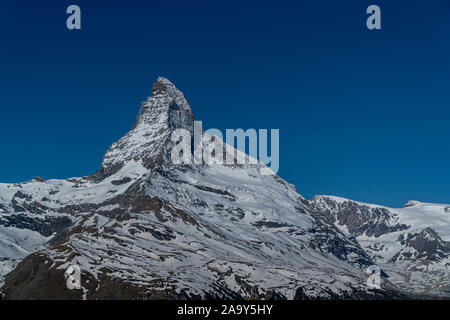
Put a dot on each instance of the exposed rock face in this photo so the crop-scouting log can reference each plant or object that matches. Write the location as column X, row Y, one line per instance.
column 426, row 246
column 143, row 228
column 148, row 141
column 45, row 225
column 359, row 219
column 410, row 244
column 32, row 279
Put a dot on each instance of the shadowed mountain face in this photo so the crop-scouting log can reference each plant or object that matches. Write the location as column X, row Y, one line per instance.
column 411, row 244
column 144, row 228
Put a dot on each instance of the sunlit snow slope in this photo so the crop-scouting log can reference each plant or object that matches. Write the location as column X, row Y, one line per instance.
column 411, row 244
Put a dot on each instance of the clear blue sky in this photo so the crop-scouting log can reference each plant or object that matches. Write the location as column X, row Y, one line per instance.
column 362, row 114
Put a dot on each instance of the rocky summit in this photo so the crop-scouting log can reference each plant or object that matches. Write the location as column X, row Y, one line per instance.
column 144, row 228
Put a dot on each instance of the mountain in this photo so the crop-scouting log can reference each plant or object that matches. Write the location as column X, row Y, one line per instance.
column 411, row 244
column 142, row 227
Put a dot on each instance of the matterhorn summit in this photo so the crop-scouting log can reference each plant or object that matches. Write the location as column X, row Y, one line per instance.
column 164, row 111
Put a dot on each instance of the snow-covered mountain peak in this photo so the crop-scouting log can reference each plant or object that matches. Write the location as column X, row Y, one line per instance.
column 165, row 98
column 411, row 244
column 163, row 86
column 333, row 200
column 149, row 139
column 411, row 203
column 142, row 228
column 174, row 231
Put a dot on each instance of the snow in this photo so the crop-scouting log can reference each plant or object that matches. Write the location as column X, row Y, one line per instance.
column 215, row 224
column 413, row 274
column 16, row 244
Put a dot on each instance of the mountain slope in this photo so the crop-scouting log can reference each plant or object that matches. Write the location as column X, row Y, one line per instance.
column 142, row 227
column 411, row 244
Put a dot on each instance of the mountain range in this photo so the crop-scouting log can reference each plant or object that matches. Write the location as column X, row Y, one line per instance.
column 142, row 227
